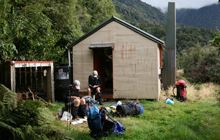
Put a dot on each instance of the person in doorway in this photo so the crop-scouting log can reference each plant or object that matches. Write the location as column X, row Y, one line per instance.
column 73, row 103
column 94, row 89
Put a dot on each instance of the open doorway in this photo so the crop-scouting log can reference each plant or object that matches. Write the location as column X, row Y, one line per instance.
column 103, row 64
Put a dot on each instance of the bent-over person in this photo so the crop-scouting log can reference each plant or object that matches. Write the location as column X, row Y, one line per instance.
column 73, row 103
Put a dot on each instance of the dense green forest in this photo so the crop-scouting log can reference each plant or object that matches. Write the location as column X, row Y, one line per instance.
column 43, row 29
column 202, row 63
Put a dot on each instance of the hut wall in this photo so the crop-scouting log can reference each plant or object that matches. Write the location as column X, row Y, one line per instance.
column 82, row 64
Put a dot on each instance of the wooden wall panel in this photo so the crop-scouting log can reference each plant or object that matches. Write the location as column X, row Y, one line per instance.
column 82, row 64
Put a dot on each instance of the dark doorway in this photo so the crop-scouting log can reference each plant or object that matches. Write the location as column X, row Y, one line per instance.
column 103, row 64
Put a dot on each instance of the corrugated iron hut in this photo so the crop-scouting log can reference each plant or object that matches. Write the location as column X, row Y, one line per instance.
column 127, row 58
column 22, row 76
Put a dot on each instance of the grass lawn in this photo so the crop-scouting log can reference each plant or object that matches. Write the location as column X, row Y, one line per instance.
column 193, row 120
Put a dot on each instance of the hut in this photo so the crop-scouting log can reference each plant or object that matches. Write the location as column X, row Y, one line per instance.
column 128, row 59
column 26, row 76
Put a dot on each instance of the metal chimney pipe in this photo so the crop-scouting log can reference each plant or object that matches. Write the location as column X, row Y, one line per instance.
column 169, row 72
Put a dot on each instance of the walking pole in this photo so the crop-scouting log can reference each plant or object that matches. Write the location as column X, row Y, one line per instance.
column 69, row 107
column 70, row 86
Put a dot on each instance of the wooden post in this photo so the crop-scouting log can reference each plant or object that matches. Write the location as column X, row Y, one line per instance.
column 50, row 83
column 19, row 69
column 31, row 77
column 35, row 73
column 41, row 78
column 12, row 76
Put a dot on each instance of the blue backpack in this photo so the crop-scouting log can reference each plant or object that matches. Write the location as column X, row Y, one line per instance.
column 94, row 120
column 99, row 125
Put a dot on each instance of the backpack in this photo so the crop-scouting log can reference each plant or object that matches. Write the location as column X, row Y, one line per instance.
column 82, row 112
column 101, row 125
column 110, row 125
column 129, row 108
column 94, row 120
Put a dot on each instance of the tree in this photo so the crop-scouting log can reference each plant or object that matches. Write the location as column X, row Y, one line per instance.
column 216, row 41
column 7, row 48
column 97, row 12
column 44, row 29
column 189, row 37
column 201, row 64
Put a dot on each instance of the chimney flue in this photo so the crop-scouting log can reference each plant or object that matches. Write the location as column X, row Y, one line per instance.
column 169, row 72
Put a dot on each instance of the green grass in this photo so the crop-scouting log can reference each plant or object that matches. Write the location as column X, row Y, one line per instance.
column 199, row 120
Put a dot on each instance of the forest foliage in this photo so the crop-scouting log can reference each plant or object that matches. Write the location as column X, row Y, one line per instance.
column 26, row 120
column 43, row 29
column 202, row 64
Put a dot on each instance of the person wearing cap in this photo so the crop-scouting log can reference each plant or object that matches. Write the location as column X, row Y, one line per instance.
column 94, row 83
column 73, row 102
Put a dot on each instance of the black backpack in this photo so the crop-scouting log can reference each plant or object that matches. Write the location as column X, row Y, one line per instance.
column 129, row 108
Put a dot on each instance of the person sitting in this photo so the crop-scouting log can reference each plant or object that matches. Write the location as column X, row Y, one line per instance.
column 94, row 89
column 73, row 103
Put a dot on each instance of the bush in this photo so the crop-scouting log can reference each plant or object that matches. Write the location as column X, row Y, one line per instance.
column 7, row 99
column 201, row 64
column 27, row 113
column 30, row 120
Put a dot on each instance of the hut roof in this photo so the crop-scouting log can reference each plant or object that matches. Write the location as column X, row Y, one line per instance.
column 124, row 23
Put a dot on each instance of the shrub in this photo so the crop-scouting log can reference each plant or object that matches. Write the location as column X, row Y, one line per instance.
column 201, row 64
column 7, row 99
column 27, row 113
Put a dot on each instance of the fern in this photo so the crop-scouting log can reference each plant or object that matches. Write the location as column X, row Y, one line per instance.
column 27, row 120
column 27, row 113
column 31, row 134
column 7, row 99
column 9, row 132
